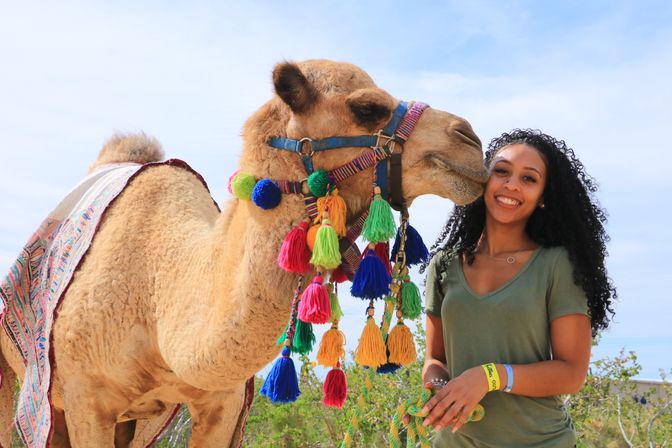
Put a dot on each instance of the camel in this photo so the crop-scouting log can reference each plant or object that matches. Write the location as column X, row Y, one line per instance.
column 177, row 302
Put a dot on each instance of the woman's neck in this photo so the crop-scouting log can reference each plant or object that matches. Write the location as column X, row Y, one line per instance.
column 501, row 238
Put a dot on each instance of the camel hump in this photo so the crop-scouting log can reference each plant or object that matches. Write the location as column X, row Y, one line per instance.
column 120, row 148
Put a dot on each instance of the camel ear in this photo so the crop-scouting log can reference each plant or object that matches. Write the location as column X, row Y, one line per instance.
column 370, row 107
column 293, row 87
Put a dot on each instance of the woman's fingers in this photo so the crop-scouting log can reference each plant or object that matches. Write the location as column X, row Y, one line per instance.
column 463, row 417
column 439, row 408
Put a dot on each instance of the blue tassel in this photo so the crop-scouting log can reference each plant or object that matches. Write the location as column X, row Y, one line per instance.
column 282, row 384
column 266, row 194
column 371, row 279
column 388, row 368
column 416, row 251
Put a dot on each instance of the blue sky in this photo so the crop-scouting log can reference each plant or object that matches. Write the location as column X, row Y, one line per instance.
column 595, row 74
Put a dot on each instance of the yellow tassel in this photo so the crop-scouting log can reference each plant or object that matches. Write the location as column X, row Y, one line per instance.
column 311, row 236
column 338, row 211
column 371, row 349
column 331, row 347
column 401, row 346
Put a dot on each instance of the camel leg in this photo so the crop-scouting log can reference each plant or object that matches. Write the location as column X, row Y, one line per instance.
column 214, row 418
column 90, row 423
column 7, row 388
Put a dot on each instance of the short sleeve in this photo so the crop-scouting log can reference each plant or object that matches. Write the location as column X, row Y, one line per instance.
column 565, row 296
column 433, row 292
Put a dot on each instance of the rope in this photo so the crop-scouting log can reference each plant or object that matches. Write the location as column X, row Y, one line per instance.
column 359, row 411
column 414, row 429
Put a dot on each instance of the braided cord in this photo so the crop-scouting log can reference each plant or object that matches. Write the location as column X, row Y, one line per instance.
column 359, row 410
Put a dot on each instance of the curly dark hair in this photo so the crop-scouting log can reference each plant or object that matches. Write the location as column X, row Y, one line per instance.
column 571, row 218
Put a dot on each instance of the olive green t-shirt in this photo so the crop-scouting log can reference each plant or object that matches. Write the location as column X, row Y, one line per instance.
column 509, row 325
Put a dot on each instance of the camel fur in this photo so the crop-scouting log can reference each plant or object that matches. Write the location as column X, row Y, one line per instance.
column 177, row 302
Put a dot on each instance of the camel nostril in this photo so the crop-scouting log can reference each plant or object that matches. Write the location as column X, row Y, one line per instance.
column 467, row 135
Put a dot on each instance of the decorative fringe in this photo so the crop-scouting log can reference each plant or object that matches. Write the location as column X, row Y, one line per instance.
column 415, row 248
column 335, row 388
column 411, row 306
column 242, row 185
column 331, row 347
column 318, row 183
column 314, row 306
column 371, row 279
column 335, row 205
column 282, row 384
column 336, row 311
column 401, row 346
column 294, row 254
column 383, row 252
column 304, row 338
column 326, row 252
column 338, row 276
column 371, row 349
column 379, row 225
column 311, row 236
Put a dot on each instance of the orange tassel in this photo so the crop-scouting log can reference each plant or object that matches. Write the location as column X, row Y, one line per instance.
column 401, row 346
column 311, row 236
column 371, row 350
column 331, row 347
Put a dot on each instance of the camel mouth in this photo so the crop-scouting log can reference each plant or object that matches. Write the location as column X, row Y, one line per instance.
column 478, row 176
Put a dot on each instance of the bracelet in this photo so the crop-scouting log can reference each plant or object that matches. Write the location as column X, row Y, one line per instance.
column 492, row 376
column 437, row 383
column 509, row 377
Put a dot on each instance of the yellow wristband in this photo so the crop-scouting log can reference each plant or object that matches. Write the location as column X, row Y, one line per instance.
column 492, row 376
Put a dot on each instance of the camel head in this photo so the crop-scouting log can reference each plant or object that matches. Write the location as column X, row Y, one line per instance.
column 318, row 99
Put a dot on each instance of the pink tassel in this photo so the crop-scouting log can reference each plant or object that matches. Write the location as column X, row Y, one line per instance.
column 383, row 252
column 315, row 306
column 335, row 388
column 294, row 254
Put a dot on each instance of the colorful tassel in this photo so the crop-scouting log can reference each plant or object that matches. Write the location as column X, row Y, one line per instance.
column 311, row 236
column 336, row 311
column 282, row 384
column 338, row 276
column 371, row 279
column 315, row 306
column 379, row 225
column 242, row 185
column 332, row 347
column 304, row 338
column 335, row 388
column 371, row 349
column 335, row 205
column 388, row 368
column 228, row 186
column 294, row 254
column 401, row 346
column 383, row 252
column 411, row 305
column 318, row 183
column 266, row 194
column 415, row 248
column 326, row 252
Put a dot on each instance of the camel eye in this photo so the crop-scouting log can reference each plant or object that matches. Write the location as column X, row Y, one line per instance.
column 369, row 114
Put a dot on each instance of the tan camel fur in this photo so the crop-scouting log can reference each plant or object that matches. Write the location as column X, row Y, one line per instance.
column 176, row 302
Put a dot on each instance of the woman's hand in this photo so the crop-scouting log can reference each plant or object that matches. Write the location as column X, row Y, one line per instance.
column 453, row 404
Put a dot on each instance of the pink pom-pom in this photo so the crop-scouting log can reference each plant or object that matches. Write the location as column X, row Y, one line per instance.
column 315, row 306
column 294, row 254
column 335, row 388
column 228, row 187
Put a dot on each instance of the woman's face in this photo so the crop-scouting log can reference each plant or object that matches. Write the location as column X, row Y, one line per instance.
column 516, row 184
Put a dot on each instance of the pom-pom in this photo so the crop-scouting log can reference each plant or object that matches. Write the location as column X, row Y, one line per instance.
column 242, row 185
column 336, row 311
column 312, row 235
column 371, row 349
column 401, row 346
column 282, row 384
column 335, row 388
column 338, row 276
column 331, row 347
column 318, row 183
column 371, row 279
column 266, row 194
column 326, row 252
column 315, row 306
column 383, row 252
column 388, row 368
column 304, row 338
column 411, row 306
column 228, row 186
column 379, row 225
column 294, row 254
column 415, row 248
column 335, row 205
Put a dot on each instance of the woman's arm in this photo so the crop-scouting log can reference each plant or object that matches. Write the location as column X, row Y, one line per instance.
column 435, row 358
column 565, row 373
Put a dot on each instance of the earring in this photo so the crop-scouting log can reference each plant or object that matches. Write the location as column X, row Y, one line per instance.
column 542, row 205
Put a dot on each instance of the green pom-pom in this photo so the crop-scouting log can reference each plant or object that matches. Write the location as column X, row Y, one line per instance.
column 411, row 306
column 379, row 225
column 318, row 182
column 326, row 252
column 336, row 311
column 242, row 185
column 304, row 338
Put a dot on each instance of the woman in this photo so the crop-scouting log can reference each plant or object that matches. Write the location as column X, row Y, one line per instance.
column 512, row 295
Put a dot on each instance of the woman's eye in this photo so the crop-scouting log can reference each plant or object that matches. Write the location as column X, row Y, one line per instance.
column 499, row 171
column 529, row 179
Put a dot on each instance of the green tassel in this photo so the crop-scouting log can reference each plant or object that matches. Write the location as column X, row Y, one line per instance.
column 304, row 338
column 411, row 306
column 282, row 337
column 379, row 225
column 336, row 311
column 326, row 252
